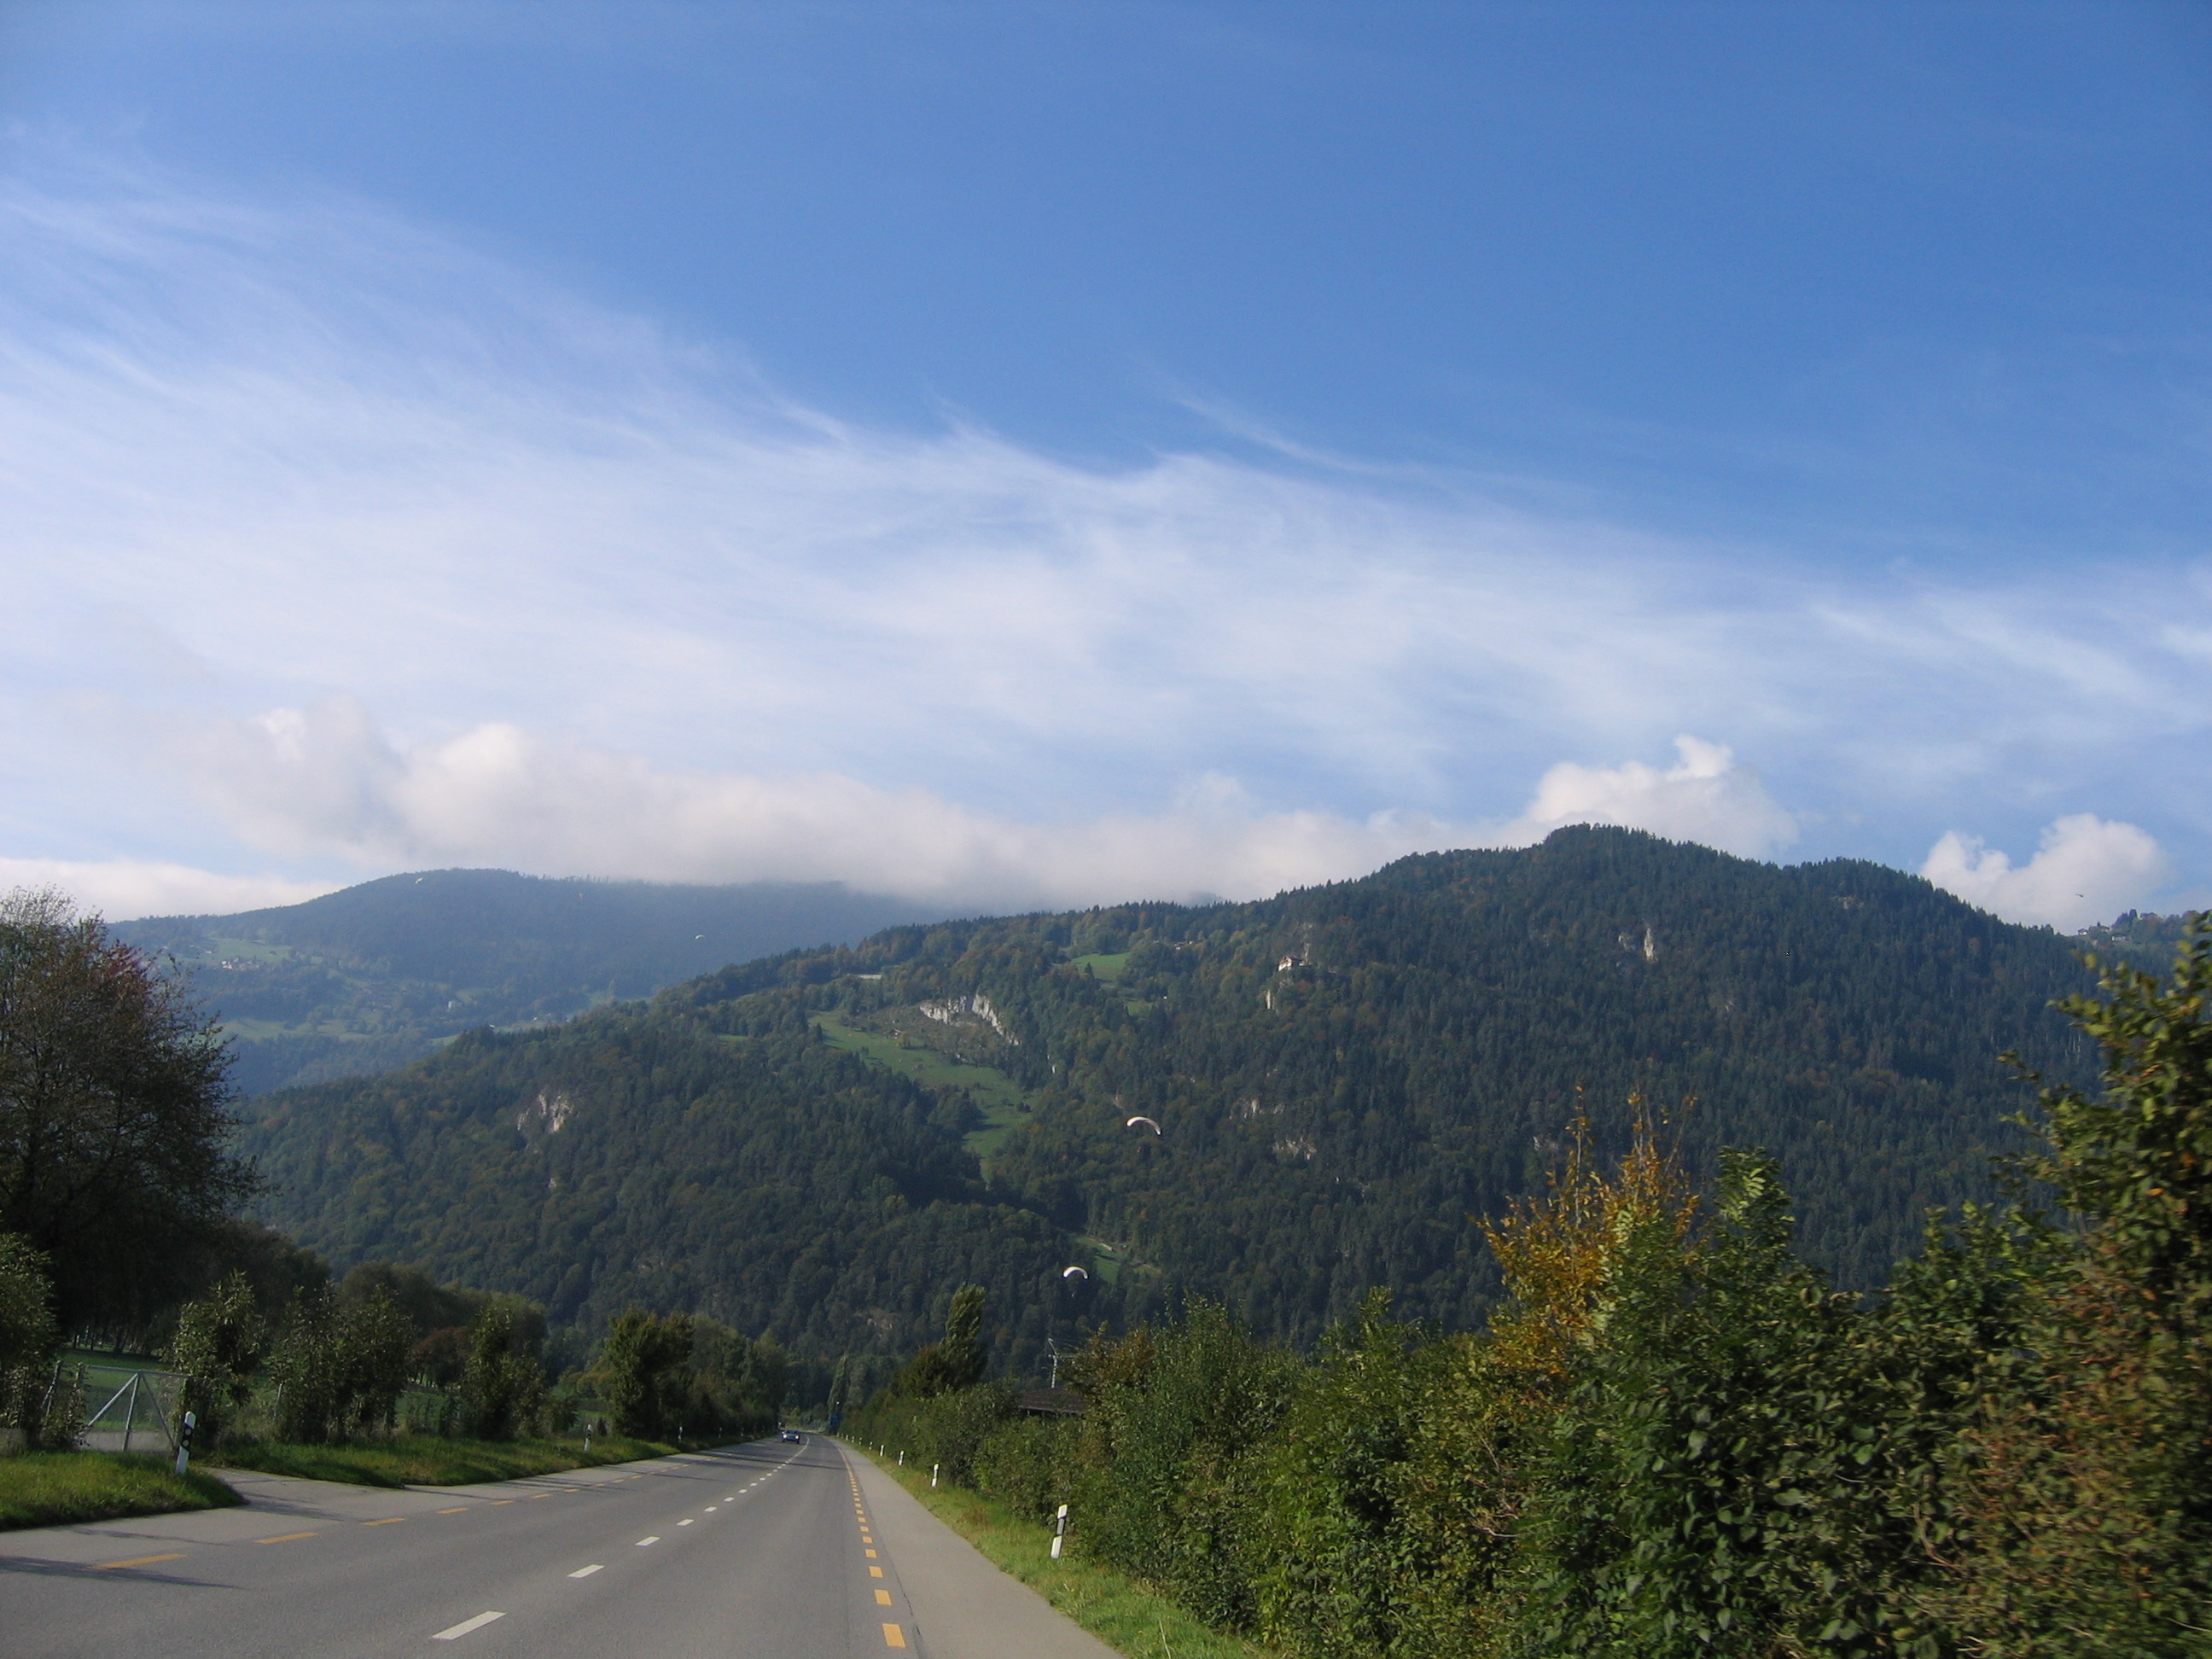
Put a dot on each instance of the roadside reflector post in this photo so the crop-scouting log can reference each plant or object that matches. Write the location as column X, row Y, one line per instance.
column 185, row 1440
column 933, row 1477
column 901, row 1459
column 1058, row 1531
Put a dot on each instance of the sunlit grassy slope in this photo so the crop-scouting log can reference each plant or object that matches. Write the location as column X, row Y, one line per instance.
column 996, row 1095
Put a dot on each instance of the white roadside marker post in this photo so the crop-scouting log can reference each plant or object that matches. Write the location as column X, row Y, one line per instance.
column 1058, row 1531
column 185, row 1440
column 933, row 1477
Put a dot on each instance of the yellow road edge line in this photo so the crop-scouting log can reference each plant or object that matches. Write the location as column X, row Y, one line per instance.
column 388, row 1520
column 496, row 1502
column 883, row 1598
column 894, row 1637
column 461, row 1509
column 142, row 1560
column 875, row 1572
column 284, row 1537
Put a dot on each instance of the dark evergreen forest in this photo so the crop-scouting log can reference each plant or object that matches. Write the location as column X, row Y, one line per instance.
column 1344, row 1081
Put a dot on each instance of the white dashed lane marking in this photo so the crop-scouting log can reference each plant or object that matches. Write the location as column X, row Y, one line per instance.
column 642, row 1542
column 586, row 1572
column 454, row 1632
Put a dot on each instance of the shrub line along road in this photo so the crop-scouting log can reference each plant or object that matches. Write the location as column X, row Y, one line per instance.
column 764, row 1551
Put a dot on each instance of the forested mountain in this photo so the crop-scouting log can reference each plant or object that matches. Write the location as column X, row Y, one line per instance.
column 754, row 1174
column 365, row 980
column 1344, row 1080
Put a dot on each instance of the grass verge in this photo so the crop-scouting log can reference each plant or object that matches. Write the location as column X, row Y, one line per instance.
column 1117, row 1609
column 55, row 1489
column 429, row 1460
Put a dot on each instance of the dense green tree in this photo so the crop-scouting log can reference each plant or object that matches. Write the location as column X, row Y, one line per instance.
column 274, row 1266
column 425, row 1304
column 737, row 1383
column 114, row 1115
column 955, row 1361
column 641, row 1368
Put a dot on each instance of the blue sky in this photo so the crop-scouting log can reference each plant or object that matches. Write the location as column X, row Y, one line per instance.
column 1049, row 454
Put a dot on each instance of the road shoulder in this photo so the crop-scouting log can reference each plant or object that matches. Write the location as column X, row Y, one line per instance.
column 963, row 1606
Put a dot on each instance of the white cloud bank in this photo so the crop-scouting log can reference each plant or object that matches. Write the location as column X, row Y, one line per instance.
column 119, row 889
column 325, row 780
column 2086, row 871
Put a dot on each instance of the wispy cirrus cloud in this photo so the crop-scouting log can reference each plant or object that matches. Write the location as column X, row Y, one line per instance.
column 413, row 555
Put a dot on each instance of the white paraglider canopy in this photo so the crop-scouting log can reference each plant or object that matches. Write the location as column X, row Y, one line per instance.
column 1073, row 1272
column 1146, row 1122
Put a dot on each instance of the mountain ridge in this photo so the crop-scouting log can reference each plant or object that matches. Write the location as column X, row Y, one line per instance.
column 378, row 974
column 1344, row 1077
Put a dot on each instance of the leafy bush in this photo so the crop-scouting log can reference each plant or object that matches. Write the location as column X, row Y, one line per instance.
column 1028, row 1463
column 338, row 1368
column 504, row 1386
column 27, row 1336
column 218, row 1347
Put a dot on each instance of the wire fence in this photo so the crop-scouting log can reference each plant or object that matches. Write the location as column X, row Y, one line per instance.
column 112, row 1405
column 125, row 1408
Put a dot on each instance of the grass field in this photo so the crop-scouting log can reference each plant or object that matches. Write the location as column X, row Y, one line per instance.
column 53, row 1489
column 1114, row 1607
column 1106, row 1261
column 1107, row 968
column 429, row 1460
column 995, row 1094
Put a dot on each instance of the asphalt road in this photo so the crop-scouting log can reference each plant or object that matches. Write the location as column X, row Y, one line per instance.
column 769, row 1549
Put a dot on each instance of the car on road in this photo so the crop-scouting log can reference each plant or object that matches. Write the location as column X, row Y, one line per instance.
column 794, row 1437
